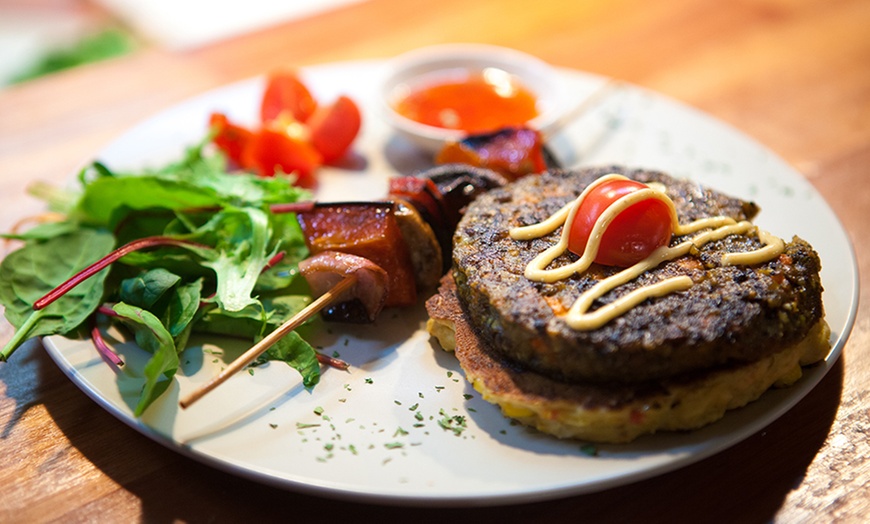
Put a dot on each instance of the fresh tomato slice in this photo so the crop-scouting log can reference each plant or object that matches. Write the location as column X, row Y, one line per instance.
column 285, row 94
column 270, row 149
column 334, row 128
column 230, row 138
column 632, row 236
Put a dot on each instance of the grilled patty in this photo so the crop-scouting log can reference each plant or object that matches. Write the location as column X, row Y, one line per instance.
column 731, row 315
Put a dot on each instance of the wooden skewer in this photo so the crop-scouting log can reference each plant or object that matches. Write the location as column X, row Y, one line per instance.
column 260, row 347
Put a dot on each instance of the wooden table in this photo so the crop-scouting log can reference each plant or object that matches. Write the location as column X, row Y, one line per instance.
column 795, row 75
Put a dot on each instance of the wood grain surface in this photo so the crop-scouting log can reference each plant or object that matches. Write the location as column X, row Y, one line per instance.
column 794, row 75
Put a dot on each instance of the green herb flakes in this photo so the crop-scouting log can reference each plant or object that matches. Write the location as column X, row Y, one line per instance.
column 455, row 423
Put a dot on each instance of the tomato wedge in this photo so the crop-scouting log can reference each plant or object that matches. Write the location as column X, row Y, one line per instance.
column 334, row 128
column 632, row 236
column 271, row 149
column 230, row 138
column 285, row 94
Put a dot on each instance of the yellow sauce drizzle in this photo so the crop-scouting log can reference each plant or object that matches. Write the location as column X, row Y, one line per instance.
column 578, row 316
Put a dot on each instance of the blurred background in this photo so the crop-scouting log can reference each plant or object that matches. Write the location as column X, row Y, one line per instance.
column 38, row 37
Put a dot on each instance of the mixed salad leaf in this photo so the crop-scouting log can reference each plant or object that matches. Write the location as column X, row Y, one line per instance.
column 168, row 252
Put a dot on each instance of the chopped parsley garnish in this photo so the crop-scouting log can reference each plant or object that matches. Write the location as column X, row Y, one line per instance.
column 455, row 423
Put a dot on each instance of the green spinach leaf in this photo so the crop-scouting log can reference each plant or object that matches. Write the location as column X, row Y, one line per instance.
column 297, row 353
column 153, row 337
column 27, row 274
column 147, row 288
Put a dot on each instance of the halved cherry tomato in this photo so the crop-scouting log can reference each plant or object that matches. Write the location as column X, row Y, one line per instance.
column 230, row 138
column 632, row 236
column 333, row 128
column 286, row 94
column 270, row 149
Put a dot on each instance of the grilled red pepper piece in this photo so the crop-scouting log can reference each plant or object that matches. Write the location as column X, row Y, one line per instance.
column 513, row 152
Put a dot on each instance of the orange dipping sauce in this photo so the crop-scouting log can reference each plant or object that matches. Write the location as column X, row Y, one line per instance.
column 476, row 104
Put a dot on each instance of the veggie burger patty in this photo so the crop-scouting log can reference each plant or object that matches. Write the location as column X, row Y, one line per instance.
column 677, row 361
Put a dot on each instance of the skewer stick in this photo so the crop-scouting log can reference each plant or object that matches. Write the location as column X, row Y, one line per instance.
column 260, row 347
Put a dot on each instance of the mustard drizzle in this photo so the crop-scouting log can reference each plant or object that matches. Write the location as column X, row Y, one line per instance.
column 578, row 316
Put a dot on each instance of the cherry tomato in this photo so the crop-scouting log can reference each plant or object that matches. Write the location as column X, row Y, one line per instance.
column 286, row 94
column 635, row 233
column 229, row 138
column 271, row 149
column 333, row 128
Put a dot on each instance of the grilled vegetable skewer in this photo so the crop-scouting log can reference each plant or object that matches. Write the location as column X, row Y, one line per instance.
column 368, row 255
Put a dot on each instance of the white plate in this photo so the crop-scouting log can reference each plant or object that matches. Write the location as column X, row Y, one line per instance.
column 367, row 445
